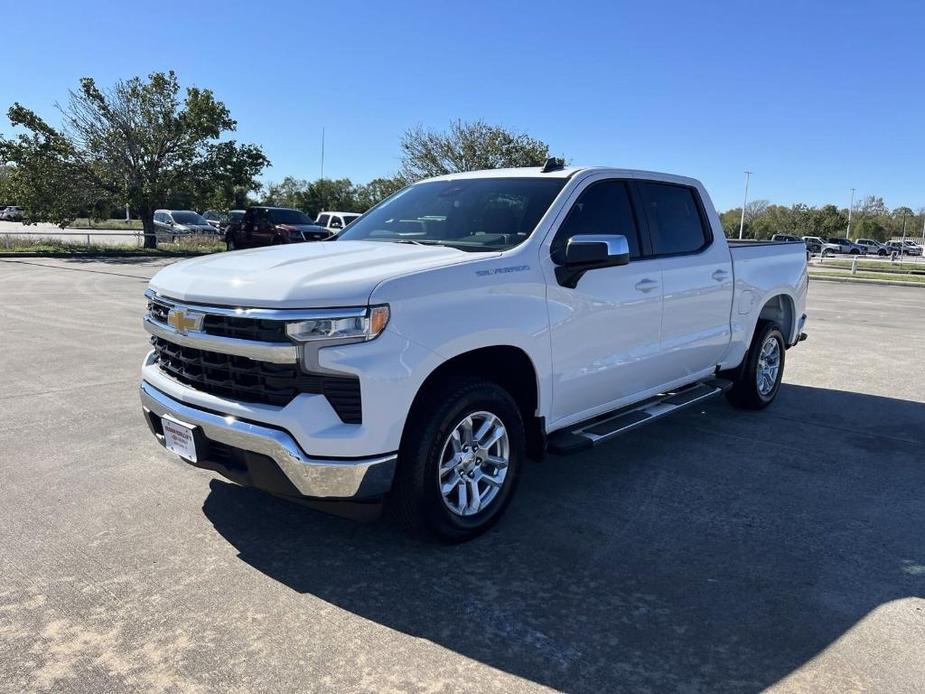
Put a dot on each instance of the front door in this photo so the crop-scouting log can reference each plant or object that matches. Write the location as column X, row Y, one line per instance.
column 605, row 331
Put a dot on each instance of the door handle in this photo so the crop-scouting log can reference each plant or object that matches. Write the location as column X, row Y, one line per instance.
column 720, row 275
column 646, row 285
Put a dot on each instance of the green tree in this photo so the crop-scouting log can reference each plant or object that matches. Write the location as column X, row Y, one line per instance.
column 7, row 196
column 137, row 142
column 376, row 191
column 467, row 147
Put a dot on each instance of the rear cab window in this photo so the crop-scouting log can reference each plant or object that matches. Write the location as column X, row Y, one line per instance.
column 677, row 224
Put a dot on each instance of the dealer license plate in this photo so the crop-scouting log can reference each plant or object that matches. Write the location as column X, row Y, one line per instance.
column 178, row 437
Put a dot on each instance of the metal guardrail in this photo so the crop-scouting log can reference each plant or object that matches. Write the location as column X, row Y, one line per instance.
column 44, row 234
column 87, row 234
column 857, row 261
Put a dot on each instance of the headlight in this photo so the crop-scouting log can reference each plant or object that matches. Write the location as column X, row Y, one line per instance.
column 351, row 326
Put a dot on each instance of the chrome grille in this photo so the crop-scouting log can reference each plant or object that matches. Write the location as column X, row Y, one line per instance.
column 240, row 328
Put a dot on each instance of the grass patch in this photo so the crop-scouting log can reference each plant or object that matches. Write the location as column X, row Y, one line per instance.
column 114, row 224
column 195, row 245
column 885, row 276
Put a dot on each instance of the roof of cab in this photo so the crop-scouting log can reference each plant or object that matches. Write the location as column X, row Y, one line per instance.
column 565, row 172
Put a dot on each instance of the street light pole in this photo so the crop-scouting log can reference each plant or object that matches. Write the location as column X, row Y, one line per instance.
column 850, row 207
column 744, row 201
column 923, row 230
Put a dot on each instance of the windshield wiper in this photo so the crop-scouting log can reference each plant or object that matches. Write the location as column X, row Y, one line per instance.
column 418, row 242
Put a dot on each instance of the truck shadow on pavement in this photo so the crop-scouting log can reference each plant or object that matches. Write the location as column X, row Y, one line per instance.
column 716, row 551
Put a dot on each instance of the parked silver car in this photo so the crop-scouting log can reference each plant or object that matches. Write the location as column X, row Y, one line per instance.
column 873, row 247
column 819, row 246
column 173, row 224
column 12, row 213
column 846, row 246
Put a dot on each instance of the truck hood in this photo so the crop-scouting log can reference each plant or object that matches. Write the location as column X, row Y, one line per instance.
column 304, row 275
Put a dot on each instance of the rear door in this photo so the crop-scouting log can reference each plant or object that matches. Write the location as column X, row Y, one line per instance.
column 696, row 276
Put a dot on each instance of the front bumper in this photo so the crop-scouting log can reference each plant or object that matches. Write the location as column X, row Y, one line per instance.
column 269, row 458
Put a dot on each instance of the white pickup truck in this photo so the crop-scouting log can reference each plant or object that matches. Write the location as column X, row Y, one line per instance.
column 463, row 325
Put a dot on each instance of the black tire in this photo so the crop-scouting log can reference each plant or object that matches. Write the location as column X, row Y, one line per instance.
column 745, row 393
column 417, row 499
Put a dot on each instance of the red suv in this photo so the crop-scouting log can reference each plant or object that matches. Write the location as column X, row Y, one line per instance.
column 271, row 226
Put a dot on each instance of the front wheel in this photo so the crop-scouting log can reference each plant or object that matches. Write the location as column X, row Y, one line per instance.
column 459, row 460
column 757, row 382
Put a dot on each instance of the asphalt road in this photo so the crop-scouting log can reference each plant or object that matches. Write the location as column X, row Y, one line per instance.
column 714, row 551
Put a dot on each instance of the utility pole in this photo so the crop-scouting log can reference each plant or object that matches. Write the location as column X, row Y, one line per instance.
column 850, row 207
column 322, row 170
column 923, row 229
column 744, row 201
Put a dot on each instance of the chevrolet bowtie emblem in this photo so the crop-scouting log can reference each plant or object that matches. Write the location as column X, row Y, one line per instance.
column 183, row 322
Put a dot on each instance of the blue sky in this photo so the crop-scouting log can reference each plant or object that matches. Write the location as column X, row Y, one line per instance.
column 814, row 97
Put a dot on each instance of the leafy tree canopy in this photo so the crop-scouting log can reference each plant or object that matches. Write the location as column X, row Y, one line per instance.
column 137, row 142
column 467, row 147
column 329, row 194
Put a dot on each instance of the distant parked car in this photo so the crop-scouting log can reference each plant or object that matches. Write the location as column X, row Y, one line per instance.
column 173, row 224
column 11, row 213
column 819, row 246
column 214, row 218
column 335, row 221
column 270, row 226
column 234, row 217
column 906, row 247
column 873, row 247
column 847, row 246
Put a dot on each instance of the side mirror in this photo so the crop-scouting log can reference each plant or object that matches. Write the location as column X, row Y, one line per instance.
column 589, row 252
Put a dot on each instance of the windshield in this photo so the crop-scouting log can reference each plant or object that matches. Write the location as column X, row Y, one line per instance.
column 188, row 218
column 288, row 217
column 479, row 214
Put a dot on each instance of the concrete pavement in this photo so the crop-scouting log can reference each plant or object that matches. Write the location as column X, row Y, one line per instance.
column 715, row 551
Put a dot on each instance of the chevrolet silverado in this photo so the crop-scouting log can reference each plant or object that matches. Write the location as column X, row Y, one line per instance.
column 462, row 326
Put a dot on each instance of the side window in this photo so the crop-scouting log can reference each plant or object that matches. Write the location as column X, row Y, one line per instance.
column 324, row 220
column 602, row 208
column 675, row 222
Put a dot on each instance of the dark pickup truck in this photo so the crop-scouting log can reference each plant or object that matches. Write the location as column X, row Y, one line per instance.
column 271, row 226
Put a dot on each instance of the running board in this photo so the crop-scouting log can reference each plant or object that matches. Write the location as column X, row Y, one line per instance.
column 607, row 426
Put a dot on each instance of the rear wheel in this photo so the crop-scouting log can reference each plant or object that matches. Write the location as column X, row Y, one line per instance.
column 459, row 460
column 757, row 382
